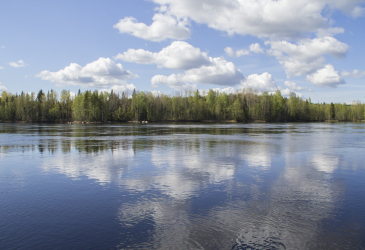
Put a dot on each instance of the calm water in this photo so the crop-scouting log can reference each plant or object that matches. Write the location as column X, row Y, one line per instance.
column 182, row 186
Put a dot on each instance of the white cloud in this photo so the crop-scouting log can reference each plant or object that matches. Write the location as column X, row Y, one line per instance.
column 285, row 92
column 238, row 53
column 271, row 18
column 261, row 18
column 18, row 64
column 255, row 48
column 126, row 88
column 284, row 19
column 1, row 67
column 326, row 77
column 294, row 86
column 329, row 32
column 173, row 81
column 103, row 72
column 198, row 66
column 163, row 27
column 2, row 88
column 306, row 56
column 349, row 7
column 355, row 73
column 263, row 82
column 156, row 93
column 228, row 90
column 138, row 56
column 357, row 12
column 179, row 55
column 2, row 46
column 220, row 72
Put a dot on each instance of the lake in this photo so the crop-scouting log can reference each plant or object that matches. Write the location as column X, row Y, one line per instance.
column 182, row 186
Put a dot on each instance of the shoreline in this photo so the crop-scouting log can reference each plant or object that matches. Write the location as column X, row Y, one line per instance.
column 176, row 121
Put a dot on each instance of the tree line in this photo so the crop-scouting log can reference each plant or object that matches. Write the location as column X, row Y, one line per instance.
column 246, row 105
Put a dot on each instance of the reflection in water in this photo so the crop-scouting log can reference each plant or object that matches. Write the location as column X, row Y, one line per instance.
column 209, row 186
column 104, row 166
column 325, row 163
column 286, row 217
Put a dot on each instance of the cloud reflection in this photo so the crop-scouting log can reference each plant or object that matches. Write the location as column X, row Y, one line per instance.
column 325, row 163
column 285, row 215
column 103, row 166
column 209, row 191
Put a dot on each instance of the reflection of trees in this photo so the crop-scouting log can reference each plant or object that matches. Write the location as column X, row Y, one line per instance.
column 95, row 146
column 66, row 146
column 90, row 138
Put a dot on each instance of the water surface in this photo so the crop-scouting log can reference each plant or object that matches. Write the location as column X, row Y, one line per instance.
column 182, row 186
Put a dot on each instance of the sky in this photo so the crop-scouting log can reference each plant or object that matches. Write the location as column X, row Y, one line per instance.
column 314, row 48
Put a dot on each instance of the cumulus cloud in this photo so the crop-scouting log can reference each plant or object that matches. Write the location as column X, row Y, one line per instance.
column 351, row 8
column 326, row 77
column 2, row 88
column 274, row 19
column 285, row 92
column 156, row 93
column 307, row 56
column 255, row 48
column 294, row 86
column 329, row 32
column 103, row 72
column 174, row 81
column 18, row 64
column 238, row 53
column 355, row 73
column 263, row 82
column 228, row 90
column 179, row 55
column 163, row 27
column 219, row 72
column 1, row 67
column 126, row 88
column 284, row 19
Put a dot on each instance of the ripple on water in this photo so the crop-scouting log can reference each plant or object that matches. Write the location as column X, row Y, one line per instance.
column 257, row 240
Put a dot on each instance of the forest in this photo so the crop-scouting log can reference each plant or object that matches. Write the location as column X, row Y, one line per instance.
column 245, row 105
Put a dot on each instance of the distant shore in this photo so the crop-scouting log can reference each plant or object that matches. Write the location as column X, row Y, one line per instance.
column 173, row 121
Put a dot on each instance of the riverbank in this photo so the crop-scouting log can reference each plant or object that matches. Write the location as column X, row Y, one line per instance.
column 175, row 121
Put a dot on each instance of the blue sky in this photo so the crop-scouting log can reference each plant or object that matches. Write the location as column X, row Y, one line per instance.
column 313, row 48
